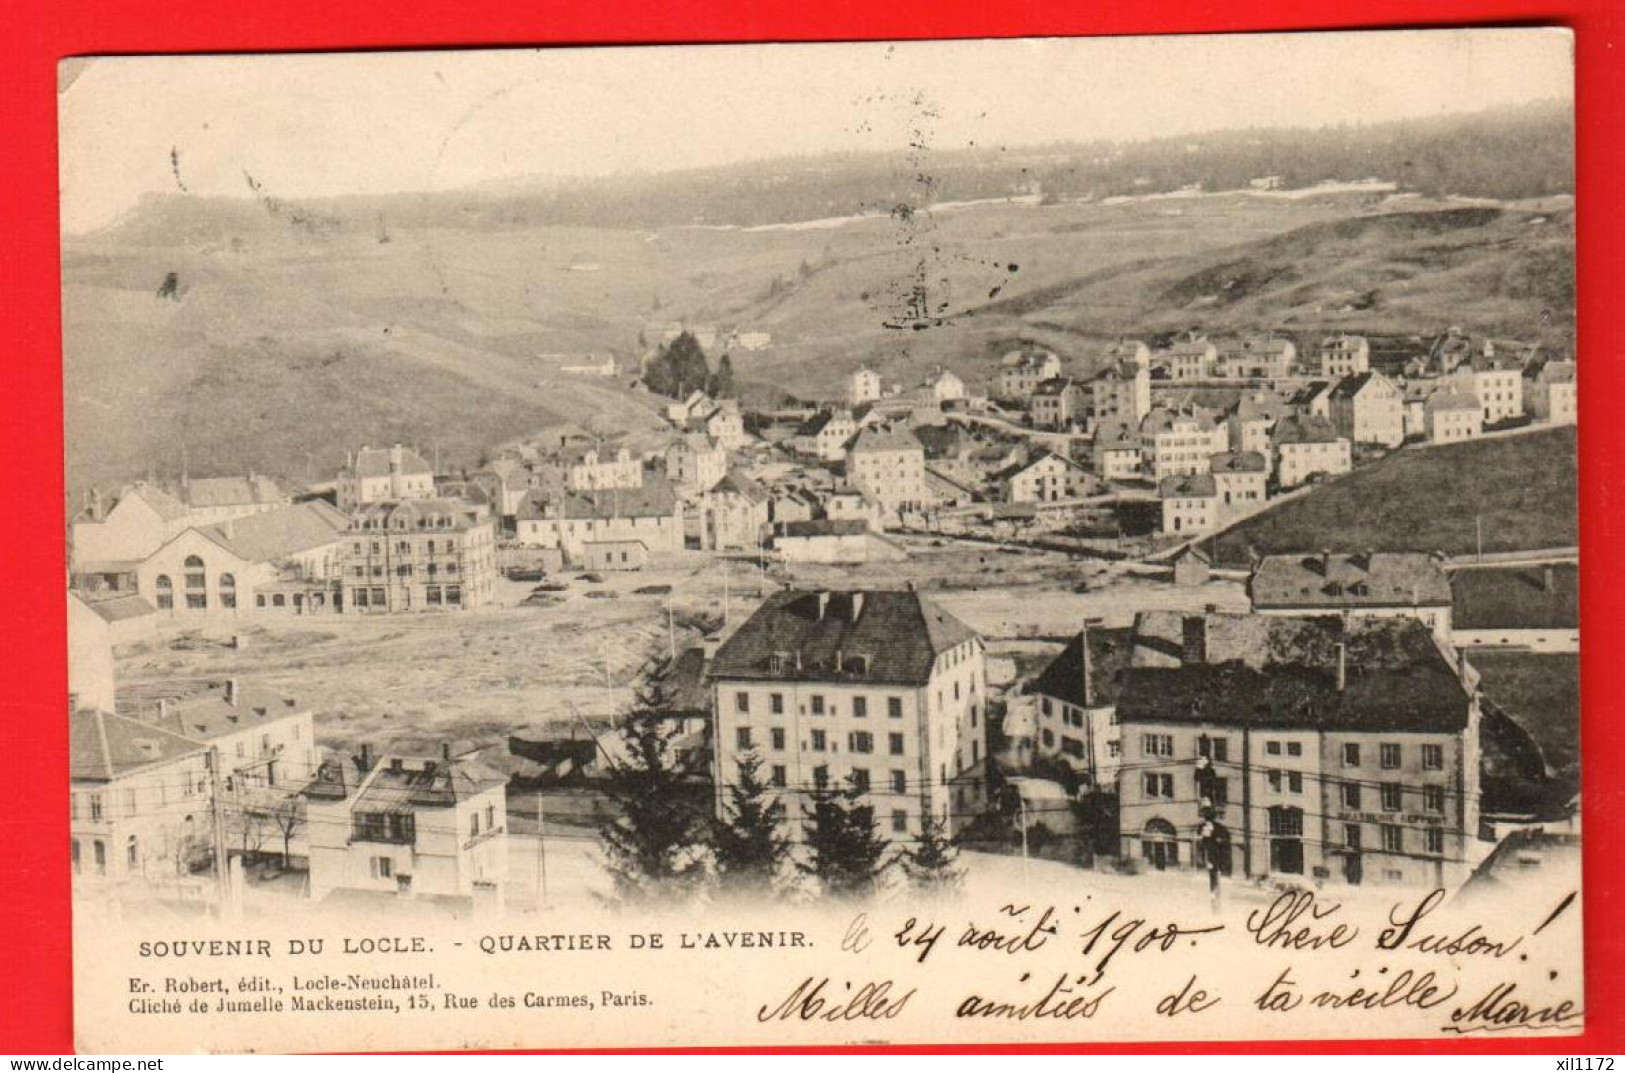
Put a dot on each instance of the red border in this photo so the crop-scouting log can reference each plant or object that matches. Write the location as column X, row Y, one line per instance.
column 35, row 943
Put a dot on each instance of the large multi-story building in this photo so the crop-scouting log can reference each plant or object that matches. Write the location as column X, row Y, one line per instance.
column 1306, row 447
column 1181, row 441
column 1240, row 480
column 1251, row 420
column 409, row 826
column 378, row 474
column 419, row 555
column 1187, row 359
column 266, row 740
column 1122, row 393
column 1260, row 357
column 1496, row 380
column 881, row 689
column 695, row 463
column 591, row 470
column 219, row 499
column 1367, row 584
column 1328, row 750
column 734, row 515
column 888, row 466
column 1190, row 504
column 824, row 436
column 1369, row 408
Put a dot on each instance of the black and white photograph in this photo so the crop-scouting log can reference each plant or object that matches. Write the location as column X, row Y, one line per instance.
column 962, row 541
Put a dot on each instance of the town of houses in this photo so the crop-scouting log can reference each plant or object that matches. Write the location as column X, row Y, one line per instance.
column 1327, row 732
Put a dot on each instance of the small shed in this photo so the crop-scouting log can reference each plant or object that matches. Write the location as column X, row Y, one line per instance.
column 1191, row 566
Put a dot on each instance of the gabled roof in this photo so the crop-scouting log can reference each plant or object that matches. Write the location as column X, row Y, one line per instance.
column 412, row 514
column 1055, row 385
column 879, row 635
column 821, row 420
column 1345, row 341
column 1022, row 467
column 374, row 462
column 880, row 440
column 162, row 503
column 276, row 534
column 740, row 485
column 399, row 784
column 1281, row 671
column 1453, row 400
column 1188, row 486
column 120, row 608
column 1260, row 407
column 103, row 746
column 202, row 492
column 1350, row 386
column 1120, row 371
column 1163, row 418
column 1117, row 436
column 1063, row 677
column 1365, row 579
column 1238, row 462
column 202, row 713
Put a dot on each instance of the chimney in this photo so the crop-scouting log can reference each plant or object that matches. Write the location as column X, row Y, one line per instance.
column 232, row 693
column 364, row 759
column 96, row 504
column 1547, row 579
column 857, row 597
column 1342, row 666
column 1194, row 649
column 397, row 458
column 1326, row 563
column 823, row 605
column 445, row 751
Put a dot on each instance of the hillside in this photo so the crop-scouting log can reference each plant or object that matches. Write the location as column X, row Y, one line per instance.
column 1523, row 488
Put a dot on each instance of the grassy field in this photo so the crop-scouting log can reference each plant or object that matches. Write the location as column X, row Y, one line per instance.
column 1523, row 487
column 285, row 348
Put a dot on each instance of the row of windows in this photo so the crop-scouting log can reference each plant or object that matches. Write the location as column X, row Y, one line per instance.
column 402, row 570
column 1392, row 838
column 1391, row 795
column 858, row 741
column 1390, row 754
column 404, row 547
column 95, row 807
column 818, row 705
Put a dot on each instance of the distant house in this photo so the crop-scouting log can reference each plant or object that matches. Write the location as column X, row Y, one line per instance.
column 1187, row 359
column 695, row 463
column 615, row 555
column 1190, row 504
column 265, row 739
column 376, row 474
column 1368, row 408
column 1117, row 452
column 1453, row 417
column 1122, row 392
column 1496, row 380
column 1549, row 392
column 1022, row 370
column 592, row 469
column 418, row 555
column 1306, row 447
column 734, row 514
column 1192, row 567
column 1359, row 585
column 111, row 539
column 1046, row 479
column 824, row 436
column 1058, row 403
column 888, row 466
column 1344, row 355
column 1531, row 607
column 723, row 422
column 1262, row 357
column 1239, row 479
column 945, row 385
column 1251, row 420
column 409, row 826
column 863, row 386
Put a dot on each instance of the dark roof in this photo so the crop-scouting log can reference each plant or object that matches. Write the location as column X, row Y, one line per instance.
column 1516, row 597
column 1303, row 428
column 1350, row 386
column 684, row 682
column 877, row 440
column 401, row 784
column 1055, row 385
column 1188, row 486
column 1238, row 462
column 120, row 608
column 815, row 424
column 103, row 746
column 653, row 499
column 200, row 711
column 1367, row 579
column 1109, row 652
column 1281, row 671
column 741, row 485
column 939, row 441
column 814, row 527
column 900, row 634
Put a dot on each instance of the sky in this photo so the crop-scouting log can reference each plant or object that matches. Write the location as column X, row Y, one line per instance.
column 329, row 124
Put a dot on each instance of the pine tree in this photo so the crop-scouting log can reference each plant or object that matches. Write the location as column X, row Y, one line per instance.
column 748, row 843
column 848, row 856
column 932, row 865
column 653, row 845
column 688, row 366
column 722, row 381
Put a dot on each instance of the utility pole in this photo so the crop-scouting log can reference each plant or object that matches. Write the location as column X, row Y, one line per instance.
column 541, row 850
column 1246, row 798
column 1208, row 829
column 1026, row 871
column 671, row 628
column 1478, row 524
column 217, row 818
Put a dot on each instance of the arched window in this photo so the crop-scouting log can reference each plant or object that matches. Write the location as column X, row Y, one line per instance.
column 228, row 591
column 195, row 578
column 1159, row 844
column 166, row 593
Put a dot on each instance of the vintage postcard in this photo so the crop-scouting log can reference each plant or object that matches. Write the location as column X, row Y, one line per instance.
column 960, row 542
